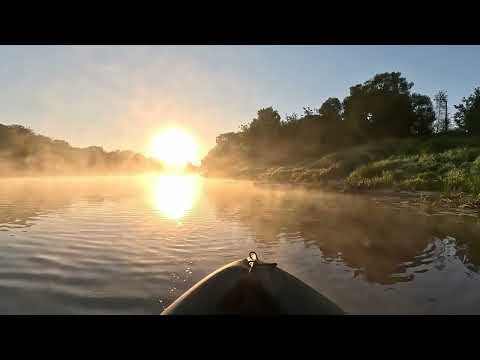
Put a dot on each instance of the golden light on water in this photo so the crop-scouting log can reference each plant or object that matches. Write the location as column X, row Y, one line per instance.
column 174, row 147
column 174, row 195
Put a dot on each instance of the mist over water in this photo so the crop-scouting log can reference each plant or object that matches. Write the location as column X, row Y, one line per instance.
column 133, row 244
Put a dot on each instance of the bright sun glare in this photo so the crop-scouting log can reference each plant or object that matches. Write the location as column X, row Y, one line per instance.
column 174, row 195
column 174, row 147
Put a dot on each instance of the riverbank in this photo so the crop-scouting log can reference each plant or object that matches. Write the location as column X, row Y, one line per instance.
column 442, row 171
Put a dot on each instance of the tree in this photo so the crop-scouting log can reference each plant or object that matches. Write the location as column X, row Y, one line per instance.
column 380, row 107
column 467, row 116
column 28, row 151
column 331, row 109
column 424, row 115
column 225, row 138
column 308, row 111
column 291, row 118
column 262, row 131
column 441, row 105
column 266, row 123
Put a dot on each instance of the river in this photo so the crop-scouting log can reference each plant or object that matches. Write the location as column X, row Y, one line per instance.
column 133, row 244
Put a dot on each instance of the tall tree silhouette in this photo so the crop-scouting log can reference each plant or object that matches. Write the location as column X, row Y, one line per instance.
column 442, row 124
column 467, row 116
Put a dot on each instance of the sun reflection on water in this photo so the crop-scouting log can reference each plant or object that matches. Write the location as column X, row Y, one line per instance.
column 174, row 195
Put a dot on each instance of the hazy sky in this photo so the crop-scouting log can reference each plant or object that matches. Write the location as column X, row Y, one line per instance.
column 119, row 96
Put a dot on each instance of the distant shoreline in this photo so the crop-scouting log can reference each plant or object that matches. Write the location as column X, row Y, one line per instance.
column 460, row 203
column 86, row 175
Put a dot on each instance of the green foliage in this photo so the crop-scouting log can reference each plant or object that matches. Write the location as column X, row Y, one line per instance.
column 331, row 110
column 357, row 181
column 265, row 125
column 475, row 167
column 298, row 175
column 464, row 179
column 453, row 170
column 467, row 116
column 455, row 180
column 441, row 142
column 424, row 115
column 426, row 181
column 380, row 107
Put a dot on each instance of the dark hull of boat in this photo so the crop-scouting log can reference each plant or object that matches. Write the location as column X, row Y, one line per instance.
column 268, row 290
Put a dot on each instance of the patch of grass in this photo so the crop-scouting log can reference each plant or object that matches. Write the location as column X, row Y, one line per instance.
column 456, row 180
column 449, row 163
column 460, row 180
column 299, row 175
column 475, row 167
column 454, row 170
column 442, row 142
column 357, row 182
column 427, row 181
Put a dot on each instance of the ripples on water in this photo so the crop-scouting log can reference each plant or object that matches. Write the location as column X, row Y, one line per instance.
column 132, row 245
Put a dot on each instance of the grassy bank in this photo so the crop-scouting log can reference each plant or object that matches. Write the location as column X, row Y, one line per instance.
column 448, row 164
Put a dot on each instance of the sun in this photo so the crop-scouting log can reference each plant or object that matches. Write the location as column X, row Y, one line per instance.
column 174, row 147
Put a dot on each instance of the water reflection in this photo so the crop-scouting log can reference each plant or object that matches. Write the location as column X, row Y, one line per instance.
column 174, row 195
column 377, row 242
column 24, row 200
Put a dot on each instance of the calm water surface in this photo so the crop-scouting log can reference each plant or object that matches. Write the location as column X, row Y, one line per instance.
column 132, row 245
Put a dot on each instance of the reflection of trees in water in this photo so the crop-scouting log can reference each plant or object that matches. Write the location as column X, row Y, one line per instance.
column 381, row 243
column 22, row 201
column 467, row 244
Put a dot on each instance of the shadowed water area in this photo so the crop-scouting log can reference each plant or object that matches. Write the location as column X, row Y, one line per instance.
column 132, row 245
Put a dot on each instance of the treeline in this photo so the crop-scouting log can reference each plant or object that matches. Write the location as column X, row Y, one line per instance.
column 24, row 152
column 382, row 107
